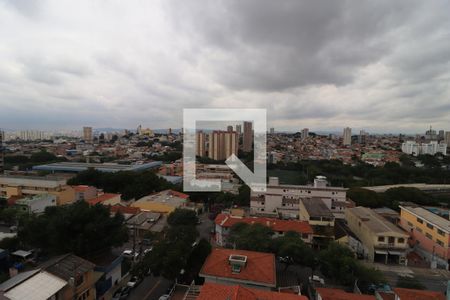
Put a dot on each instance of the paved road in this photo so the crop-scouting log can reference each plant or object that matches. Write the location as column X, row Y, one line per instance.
column 434, row 280
column 151, row 288
column 205, row 227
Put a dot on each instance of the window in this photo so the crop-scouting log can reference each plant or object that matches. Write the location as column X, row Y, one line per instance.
column 440, row 243
column 419, row 229
column 381, row 238
column 401, row 240
column 430, row 226
column 410, row 224
column 419, row 220
column 391, row 240
column 441, row 232
column 84, row 295
column 429, row 236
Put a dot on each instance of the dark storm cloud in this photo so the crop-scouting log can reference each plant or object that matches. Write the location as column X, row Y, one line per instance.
column 382, row 65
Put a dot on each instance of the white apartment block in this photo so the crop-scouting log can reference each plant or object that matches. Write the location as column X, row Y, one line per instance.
column 284, row 200
column 433, row 147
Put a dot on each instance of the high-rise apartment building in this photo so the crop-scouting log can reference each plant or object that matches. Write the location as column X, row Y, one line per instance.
column 272, row 130
column 447, row 138
column 200, row 144
column 229, row 128
column 221, row 144
column 248, row 137
column 362, row 138
column 239, row 128
column 87, row 134
column 2, row 136
column 305, row 133
column 347, row 136
column 441, row 135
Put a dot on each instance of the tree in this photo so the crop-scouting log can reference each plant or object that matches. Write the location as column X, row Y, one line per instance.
column 292, row 247
column 337, row 262
column 182, row 216
column 42, row 156
column 84, row 230
column 364, row 197
column 255, row 237
column 171, row 254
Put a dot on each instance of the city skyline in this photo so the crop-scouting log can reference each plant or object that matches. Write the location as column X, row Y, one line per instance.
column 120, row 65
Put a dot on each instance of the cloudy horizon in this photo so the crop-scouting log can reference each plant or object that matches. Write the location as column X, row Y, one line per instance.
column 382, row 66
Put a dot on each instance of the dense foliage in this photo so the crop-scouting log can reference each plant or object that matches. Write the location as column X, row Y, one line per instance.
column 25, row 162
column 392, row 197
column 79, row 228
column 362, row 174
column 182, row 217
column 129, row 184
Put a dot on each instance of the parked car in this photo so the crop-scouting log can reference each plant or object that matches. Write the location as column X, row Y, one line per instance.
column 122, row 293
column 130, row 254
column 317, row 279
column 134, row 281
column 148, row 250
column 164, row 297
column 146, row 242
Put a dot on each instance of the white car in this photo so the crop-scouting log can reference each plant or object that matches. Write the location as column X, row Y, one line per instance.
column 148, row 250
column 134, row 281
column 164, row 297
column 316, row 278
column 130, row 254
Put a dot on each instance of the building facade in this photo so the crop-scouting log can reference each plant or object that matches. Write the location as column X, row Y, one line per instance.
column 384, row 241
column 430, row 234
column 11, row 185
column 284, row 200
column 222, row 144
column 347, row 136
column 247, row 140
column 87, row 135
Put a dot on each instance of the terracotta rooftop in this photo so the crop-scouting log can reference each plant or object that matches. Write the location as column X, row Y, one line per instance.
column 410, row 294
column 259, row 268
column 80, row 188
column 337, row 294
column 125, row 209
column 102, row 198
column 226, row 220
column 236, row 292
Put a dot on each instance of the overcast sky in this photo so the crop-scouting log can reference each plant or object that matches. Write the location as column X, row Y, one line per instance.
column 379, row 65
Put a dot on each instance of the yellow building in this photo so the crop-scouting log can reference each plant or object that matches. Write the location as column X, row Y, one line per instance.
column 163, row 202
column 383, row 241
column 11, row 185
column 429, row 232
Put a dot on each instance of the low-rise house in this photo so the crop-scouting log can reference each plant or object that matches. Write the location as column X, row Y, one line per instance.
column 225, row 221
column 337, row 294
column 34, row 285
column 110, row 268
column 144, row 222
column 105, row 199
column 384, row 241
column 37, row 203
column 84, row 192
column 77, row 272
column 319, row 216
column 429, row 232
column 240, row 267
column 163, row 202
column 238, row 292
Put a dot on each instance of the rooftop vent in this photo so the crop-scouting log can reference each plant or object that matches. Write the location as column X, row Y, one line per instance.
column 237, row 262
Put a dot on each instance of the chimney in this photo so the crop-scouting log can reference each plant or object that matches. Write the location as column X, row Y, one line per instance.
column 237, row 262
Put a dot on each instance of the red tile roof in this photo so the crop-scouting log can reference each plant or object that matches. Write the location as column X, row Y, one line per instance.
column 102, row 198
column 236, row 292
column 337, row 294
column 260, row 267
column 178, row 194
column 80, row 188
column 226, row 220
column 410, row 294
column 124, row 209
